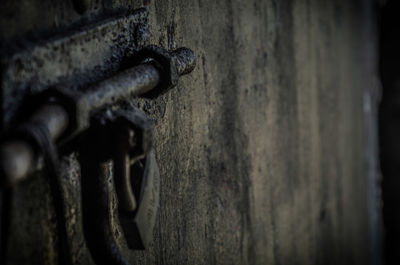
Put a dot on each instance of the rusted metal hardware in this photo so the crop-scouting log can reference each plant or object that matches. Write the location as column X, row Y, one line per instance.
column 136, row 177
column 127, row 152
column 17, row 155
column 63, row 113
column 173, row 64
column 67, row 112
column 134, row 134
column 80, row 56
column 149, row 74
column 107, row 64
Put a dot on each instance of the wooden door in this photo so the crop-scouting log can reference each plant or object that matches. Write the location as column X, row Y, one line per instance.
column 261, row 149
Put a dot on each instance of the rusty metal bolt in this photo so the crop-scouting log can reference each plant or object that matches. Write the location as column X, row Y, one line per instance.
column 171, row 65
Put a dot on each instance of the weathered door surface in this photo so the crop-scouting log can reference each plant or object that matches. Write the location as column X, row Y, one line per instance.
column 261, row 149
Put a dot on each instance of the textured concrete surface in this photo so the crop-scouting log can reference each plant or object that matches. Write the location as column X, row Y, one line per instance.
column 260, row 149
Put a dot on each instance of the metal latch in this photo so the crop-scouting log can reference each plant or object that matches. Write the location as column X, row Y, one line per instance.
column 109, row 129
column 123, row 137
column 65, row 113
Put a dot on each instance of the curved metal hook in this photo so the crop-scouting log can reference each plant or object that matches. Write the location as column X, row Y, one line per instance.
column 96, row 212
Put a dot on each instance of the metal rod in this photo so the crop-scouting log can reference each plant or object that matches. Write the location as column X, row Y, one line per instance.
column 16, row 161
column 17, row 156
column 132, row 82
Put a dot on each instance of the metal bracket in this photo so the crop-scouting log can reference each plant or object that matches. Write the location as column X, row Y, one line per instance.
column 82, row 56
column 62, row 87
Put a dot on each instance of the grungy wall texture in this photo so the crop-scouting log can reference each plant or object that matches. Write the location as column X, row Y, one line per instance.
column 260, row 149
